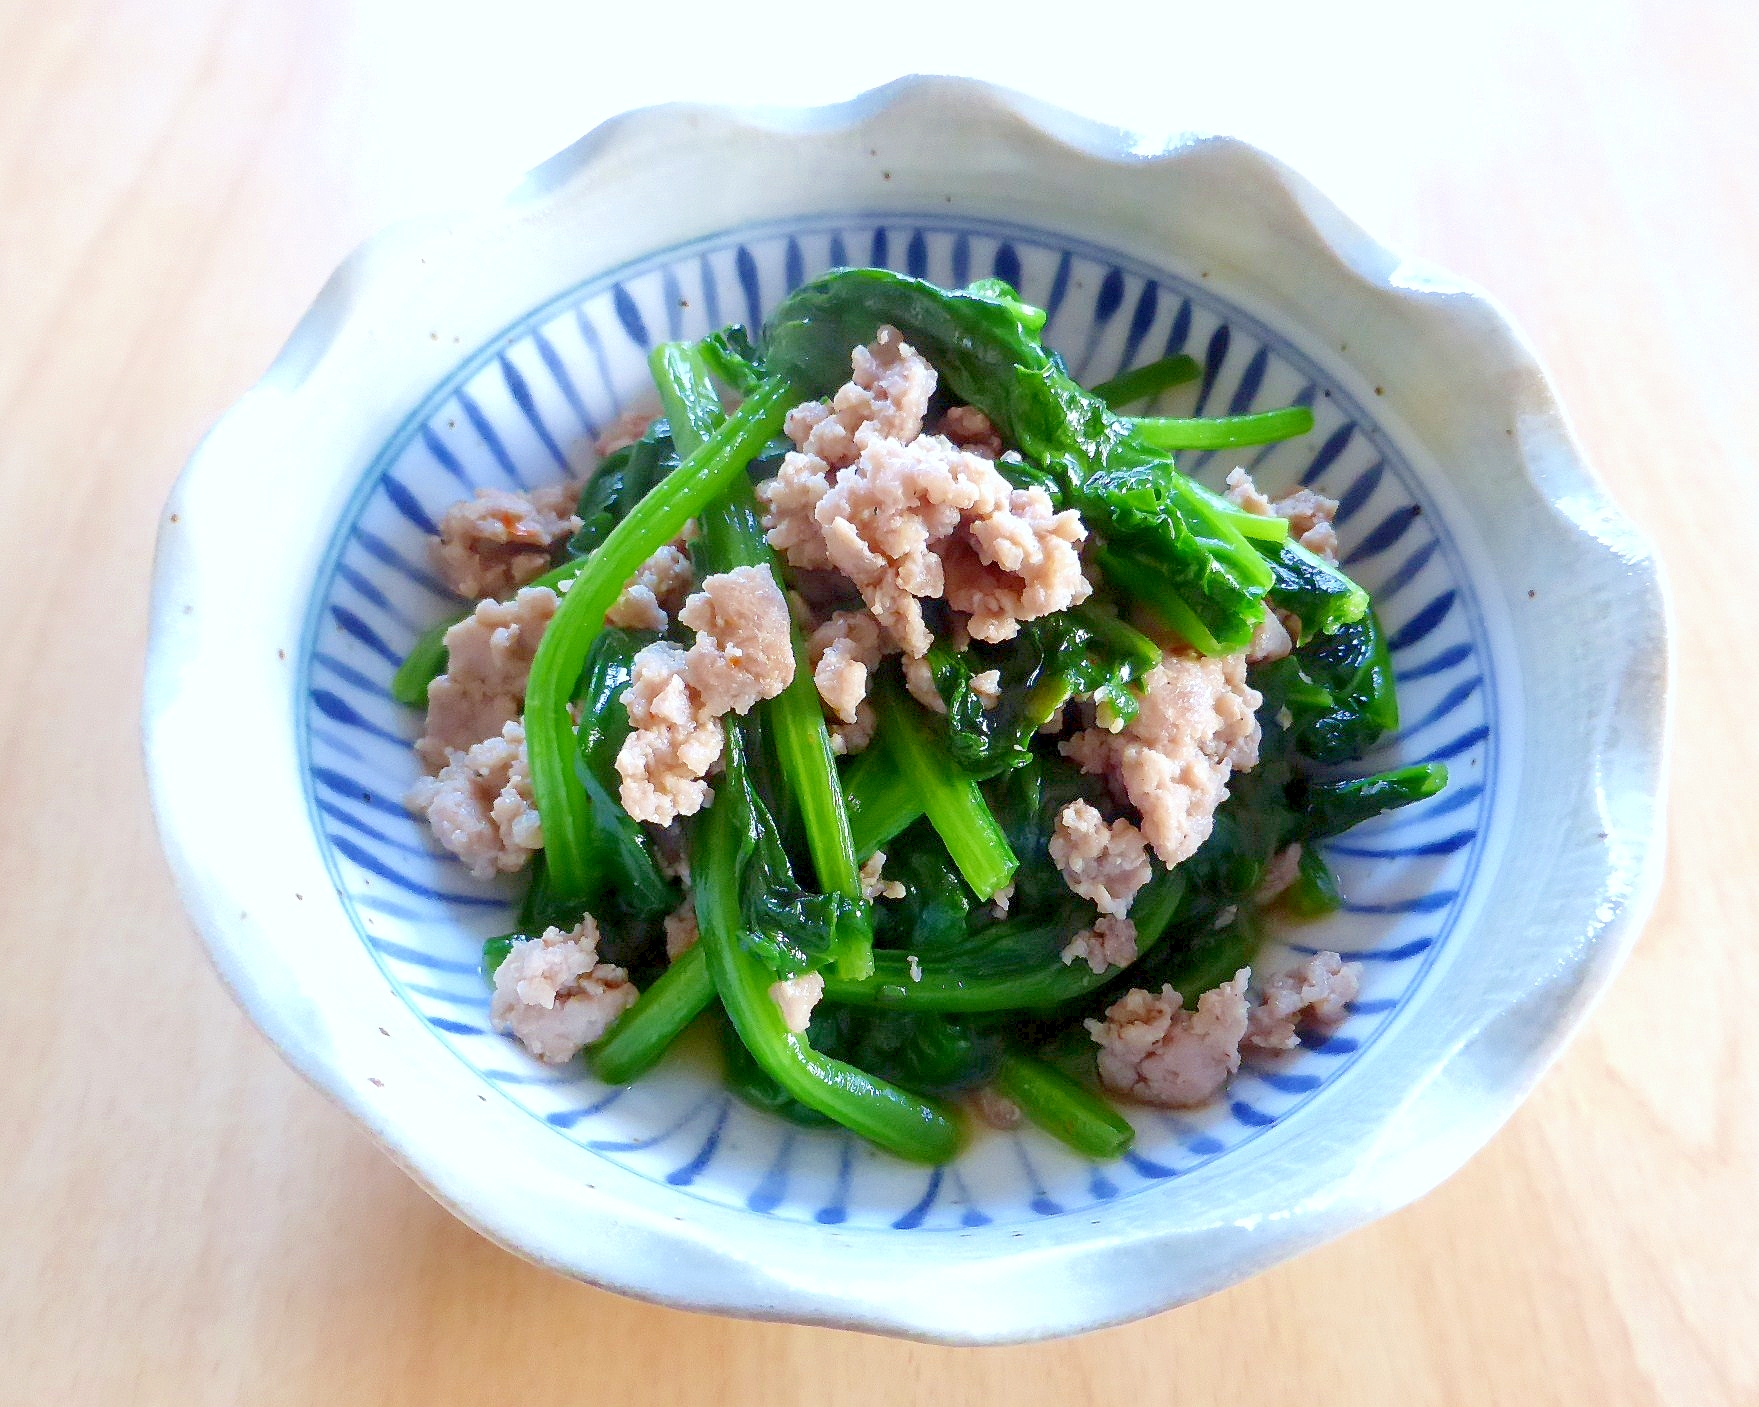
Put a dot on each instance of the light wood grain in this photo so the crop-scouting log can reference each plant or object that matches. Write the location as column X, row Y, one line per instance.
column 182, row 1221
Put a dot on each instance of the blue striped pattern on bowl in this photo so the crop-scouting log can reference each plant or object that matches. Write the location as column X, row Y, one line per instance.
column 524, row 409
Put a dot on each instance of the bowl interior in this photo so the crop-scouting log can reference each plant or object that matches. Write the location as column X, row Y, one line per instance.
column 524, row 409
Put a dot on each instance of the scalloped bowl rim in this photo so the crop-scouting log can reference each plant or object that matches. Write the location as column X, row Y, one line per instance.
column 861, row 1279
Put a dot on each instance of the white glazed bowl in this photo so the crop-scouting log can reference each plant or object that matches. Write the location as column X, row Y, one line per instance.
column 1525, row 615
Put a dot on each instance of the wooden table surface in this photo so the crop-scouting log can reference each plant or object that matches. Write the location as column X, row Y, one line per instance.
column 183, row 1221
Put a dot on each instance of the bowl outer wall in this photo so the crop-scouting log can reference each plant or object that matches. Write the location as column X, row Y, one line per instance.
column 1588, row 664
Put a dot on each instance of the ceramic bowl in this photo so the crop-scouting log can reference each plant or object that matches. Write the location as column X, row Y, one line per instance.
column 1525, row 619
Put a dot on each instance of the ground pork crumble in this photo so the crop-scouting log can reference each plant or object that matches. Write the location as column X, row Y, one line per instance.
column 1197, row 725
column 488, row 658
column 995, row 1108
column 919, row 682
column 1245, row 495
column 495, row 542
column 1271, row 639
column 1154, row 1050
column 622, row 432
column 1111, row 942
column 1317, row 992
column 874, row 884
column 480, row 805
column 681, row 929
column 844, row 651
column 743, row 653
column 673, row 741
column 656, row 591
column 1310, row 514
column 795, row 997
column 1107, row 864
column 969, row 428
column 847, row 739
column 1282, row 871
column 555, row 995
column 909, row 517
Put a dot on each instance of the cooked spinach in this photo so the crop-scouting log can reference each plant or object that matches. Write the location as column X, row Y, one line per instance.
column 961, row 981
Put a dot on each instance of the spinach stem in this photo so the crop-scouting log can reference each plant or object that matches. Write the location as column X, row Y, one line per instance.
column 1013, row 966
column 703, row 476
column 1226, row 431
column 881, row 800
column 733, row 536
column 896, row 1120
column 1067, row 1111
column 642, row 1034
column 950, row 798
column 1128, row 387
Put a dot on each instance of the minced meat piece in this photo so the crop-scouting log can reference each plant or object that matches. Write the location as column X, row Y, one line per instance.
column 655, row 592
column 1020, row 563
column 882, row 517
column 874, row 884
column 555, row 995
column 1197, row 724
column 1310, row 517
column 672, row 742
column 622, row 432
column 1318, row 991
column 1282, row 871
column 676, row 699
column 681, row 929
column 867, row 493
column 488, row 659
column 1310, row 514
column 1245, row 495
column 844, row 648
column 886, row 397
column 1001, row 899
column 790, row 508
column 1111, row 942
column 1107, row 864
column 637, row 609
column 1154, row 1050
column 845, row 651
column 847, row 739
column 995, row 1108
column 912, row 522
column 796, row 997
column 919, row 680
column 480, row 805
column 744, row 650
column 969, row 428
column 499, row 540
column 1270, row 639
column 987, row 686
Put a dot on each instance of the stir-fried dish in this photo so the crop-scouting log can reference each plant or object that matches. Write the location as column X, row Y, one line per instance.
column 894, row 703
